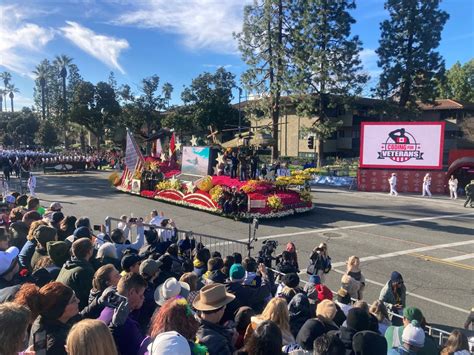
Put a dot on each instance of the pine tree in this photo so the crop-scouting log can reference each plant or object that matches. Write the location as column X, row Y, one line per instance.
column 327, row 69
column 264, row 48
column 411, row 67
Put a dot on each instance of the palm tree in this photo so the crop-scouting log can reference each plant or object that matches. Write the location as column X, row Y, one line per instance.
column 63, row 61
column 1, row 99
column 12, row 89
column 41, row 72
column 6, row 77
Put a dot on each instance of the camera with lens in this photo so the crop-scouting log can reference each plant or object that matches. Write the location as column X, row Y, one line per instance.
column 265, row 254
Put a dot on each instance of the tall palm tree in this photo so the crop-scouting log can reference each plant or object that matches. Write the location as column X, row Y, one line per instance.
column 1, row 99
column 6, row 77
column 12, row 89
column 41, row 72
column 63, row 61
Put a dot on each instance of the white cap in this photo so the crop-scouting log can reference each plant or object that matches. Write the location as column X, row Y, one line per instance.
column 6, row 258
column 169, row 343
column 413, row 334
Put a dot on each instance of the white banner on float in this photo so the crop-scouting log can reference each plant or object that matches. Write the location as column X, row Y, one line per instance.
column 402, row 145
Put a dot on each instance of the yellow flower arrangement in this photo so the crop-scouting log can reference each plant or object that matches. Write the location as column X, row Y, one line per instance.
column 205, row 184
column 311, row 170
column 251, row 185
column 163, row 185
column 216, row 193
column 274, row 202
column 137, row 174
column 306, row 196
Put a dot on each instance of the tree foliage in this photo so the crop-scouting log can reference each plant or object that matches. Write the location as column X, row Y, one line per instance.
column 47, row 136
column 411, row 66
column 19, row 127
column 459, row 82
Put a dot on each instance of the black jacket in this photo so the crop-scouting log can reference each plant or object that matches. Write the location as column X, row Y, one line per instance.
column 312, row 329
column 56, row 335
column 250, row 296
column 215, row 337
column 346, row 334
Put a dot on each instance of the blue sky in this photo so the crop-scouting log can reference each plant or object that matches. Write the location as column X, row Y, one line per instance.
column 176, row 39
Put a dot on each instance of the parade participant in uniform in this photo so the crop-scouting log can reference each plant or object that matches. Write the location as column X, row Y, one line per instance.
column 426, row 185
column 469, row 194
column 393, row 185
column 32, row 184
column 453, row 187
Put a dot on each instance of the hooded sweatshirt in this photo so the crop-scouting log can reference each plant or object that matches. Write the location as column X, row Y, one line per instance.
column 78, row 275
column 299, row 312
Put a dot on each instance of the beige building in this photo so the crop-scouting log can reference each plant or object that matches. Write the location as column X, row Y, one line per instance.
column 345, row 142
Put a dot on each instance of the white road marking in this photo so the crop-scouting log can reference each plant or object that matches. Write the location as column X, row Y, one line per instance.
column 460, row 257
column 366, row 225
column 409, row 251
column 415, row 295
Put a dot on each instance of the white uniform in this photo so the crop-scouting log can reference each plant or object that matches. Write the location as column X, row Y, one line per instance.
column 32, row 185
column 426, row 186
column 393, row 185
column 453, row 188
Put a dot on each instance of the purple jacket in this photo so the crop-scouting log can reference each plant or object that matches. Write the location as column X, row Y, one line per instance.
column 128, row 336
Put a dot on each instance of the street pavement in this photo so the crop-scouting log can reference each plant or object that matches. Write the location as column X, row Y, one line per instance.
column 430, row 241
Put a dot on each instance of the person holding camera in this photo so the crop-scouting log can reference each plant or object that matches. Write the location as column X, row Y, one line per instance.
column 120, row 240
column 320, row 262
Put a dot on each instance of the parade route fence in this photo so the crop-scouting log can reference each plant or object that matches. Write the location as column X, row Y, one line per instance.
column 223, row 245
column 438, row 334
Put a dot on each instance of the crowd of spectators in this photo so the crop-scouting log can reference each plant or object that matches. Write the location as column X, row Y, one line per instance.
column 68, row 287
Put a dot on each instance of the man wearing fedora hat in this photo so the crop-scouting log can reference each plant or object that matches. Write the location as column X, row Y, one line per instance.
column 211, row 303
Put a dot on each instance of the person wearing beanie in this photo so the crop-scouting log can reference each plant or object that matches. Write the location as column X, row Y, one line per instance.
column 58, row 252
column 394, row 293
column 56, row 219
column 367, row 342
column 149, row 270
column 18, row 232
column 43, row 235
column 300, row 312
column 130, row 263
column 413, row 339
column 78, row 272
column 357, row 321
column 324, row 293
column 82, row 232
column 394, row 334
column 56, row 305
column 315, row 327
column 310, row 288
column 245, row 295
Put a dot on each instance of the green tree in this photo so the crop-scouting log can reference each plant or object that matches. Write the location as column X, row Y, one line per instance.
column 411, row 66
column 95, row 107
column 47, row 136
column 459, row 82
column 264, row 47
column 22, row 126
column 12, row 89
column 208, row 101
column 41, row 72
column 6, row 78
column 327, row 70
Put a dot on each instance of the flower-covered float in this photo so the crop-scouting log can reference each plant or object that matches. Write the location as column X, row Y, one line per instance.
column 160, row 179
column 263, row 199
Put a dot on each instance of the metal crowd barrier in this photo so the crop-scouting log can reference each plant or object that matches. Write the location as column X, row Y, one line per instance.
column 223, row 245
column 436, row 333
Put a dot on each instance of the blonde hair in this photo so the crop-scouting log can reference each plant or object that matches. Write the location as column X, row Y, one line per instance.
column 353, row 261
column 277, row 311
column 326, row 309
column 90, row 336
column 379, row 310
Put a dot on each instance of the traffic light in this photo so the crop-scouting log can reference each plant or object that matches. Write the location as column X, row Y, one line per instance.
column 311, row 142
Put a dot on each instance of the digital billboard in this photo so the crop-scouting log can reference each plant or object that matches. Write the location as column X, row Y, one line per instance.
column 402, row 145
column 195, row 160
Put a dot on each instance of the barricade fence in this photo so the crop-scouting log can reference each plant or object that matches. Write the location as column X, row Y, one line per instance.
column 439, row 334
column 228, row 246
column 223, row 245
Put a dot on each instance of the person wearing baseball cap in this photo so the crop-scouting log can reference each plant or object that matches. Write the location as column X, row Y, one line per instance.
column 211, row 303
column 9, row 267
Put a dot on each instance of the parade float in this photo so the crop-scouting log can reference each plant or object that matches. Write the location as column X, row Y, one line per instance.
column 192, row 176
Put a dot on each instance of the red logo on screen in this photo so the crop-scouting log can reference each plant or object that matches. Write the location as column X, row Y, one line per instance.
column 400, row 147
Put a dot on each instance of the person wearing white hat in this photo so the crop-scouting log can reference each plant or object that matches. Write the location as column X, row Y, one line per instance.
column 9, row 266
column 169, row 343
column 393, row 185
column 413, row 339
column 169, row 289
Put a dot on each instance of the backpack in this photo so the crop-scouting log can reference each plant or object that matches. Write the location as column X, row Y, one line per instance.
column 315, row 265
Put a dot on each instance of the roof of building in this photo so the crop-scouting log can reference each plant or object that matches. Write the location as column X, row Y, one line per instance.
column 446, row 104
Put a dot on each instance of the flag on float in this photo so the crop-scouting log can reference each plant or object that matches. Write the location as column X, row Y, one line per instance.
column 172, row 144
column 133, row 156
